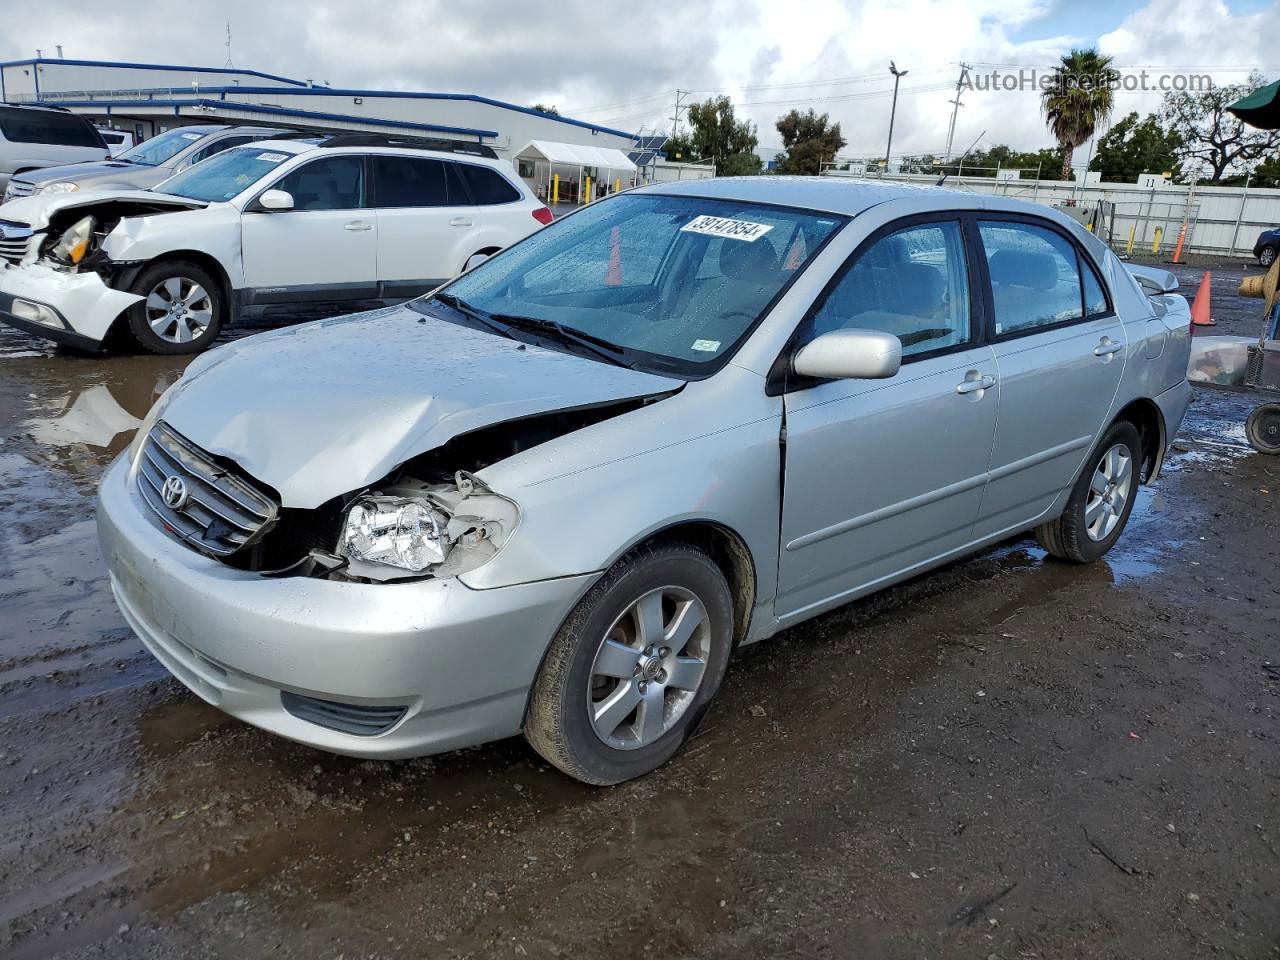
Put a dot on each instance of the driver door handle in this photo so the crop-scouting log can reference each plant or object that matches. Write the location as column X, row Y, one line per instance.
column 356, row 226
column 974, row 384
column 1106, row 347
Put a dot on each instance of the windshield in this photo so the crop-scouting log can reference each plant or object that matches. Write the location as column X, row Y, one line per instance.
column 162, row 148
column 676, row 280
column 224, row 175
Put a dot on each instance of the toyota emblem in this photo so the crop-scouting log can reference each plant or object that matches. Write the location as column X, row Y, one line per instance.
column 174, row 492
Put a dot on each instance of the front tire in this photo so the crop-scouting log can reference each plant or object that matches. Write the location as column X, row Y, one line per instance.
column 1263, row 428
column 1267, row 256
column 1101, row 500
column 182, row 310
column 635, row 666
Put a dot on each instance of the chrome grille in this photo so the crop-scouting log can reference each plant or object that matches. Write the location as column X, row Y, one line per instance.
column 221, row 511
column 18, row 188
column 15, row 241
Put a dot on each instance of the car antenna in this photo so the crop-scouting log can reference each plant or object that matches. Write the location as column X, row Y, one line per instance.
column 942, row 179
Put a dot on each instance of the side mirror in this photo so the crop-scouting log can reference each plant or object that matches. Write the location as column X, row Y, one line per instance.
column 276, row 200
column 474, row 261
column 850, row 355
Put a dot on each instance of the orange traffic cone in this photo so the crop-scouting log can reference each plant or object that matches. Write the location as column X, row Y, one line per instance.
column 1200, row 306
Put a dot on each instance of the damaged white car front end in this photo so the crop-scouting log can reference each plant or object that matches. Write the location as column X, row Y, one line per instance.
column 62, row 276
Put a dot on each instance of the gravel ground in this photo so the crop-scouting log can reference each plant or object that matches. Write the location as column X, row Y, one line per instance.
column 1010, row 757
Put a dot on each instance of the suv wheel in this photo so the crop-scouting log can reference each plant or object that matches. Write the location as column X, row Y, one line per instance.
column 635, row 666
column 1101, row 500
column 1267, row 256
column 182, row 310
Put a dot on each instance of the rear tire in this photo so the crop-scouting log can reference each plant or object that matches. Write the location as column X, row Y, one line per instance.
column 1263, row 429
column 1267, row 256
column 182, row 310
column 635, row 666
column 1101, row 501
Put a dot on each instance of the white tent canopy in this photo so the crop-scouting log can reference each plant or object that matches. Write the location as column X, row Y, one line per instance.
column 572, row 154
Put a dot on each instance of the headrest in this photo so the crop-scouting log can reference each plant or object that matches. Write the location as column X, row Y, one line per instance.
column 1024, row 268
column 754, row 260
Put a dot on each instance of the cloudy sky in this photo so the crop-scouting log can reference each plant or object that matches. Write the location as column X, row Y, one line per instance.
column 620, row 64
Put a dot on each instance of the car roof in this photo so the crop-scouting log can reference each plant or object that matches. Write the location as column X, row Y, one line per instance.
column 845, row 195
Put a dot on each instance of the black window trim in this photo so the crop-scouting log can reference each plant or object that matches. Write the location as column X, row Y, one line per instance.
column 782, row 379
column 1082, row 258
column 255, row 205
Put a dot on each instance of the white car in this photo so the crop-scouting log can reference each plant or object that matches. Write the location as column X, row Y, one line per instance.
column 343, row 219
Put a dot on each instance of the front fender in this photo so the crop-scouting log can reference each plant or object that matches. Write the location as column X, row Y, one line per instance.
column 213, row 231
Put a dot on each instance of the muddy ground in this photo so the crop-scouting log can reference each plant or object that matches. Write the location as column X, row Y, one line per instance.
column 1008, row 758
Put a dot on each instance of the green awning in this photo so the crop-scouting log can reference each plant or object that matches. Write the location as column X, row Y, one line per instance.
column 1261, row 108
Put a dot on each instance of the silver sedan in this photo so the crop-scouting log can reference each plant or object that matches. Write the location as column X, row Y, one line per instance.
column 553, row 497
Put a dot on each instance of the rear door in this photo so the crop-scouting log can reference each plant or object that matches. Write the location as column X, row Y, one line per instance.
column 884, row 476
column 1060, row 352
column 325, row 248
column 424, row 216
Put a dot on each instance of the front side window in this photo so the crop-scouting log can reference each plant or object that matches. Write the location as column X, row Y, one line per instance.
column 162, row 147
column 1035, row 281
column 912, row 283
column 224, row 176
column 409, row 182
column 678, row 282
column 331, row 183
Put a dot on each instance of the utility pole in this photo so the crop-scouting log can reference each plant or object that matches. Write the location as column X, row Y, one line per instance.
column 675, row 117
column 897, row 75
column 229, row 63
column 955, row 108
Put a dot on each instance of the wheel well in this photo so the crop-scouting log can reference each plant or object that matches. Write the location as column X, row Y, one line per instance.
column 730, row 554
column 203, row 260
column 1145, row 415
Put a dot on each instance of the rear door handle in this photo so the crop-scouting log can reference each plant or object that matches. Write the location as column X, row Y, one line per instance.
column 973, row 382
column 459, row 222
column 356, row 226
column 1106, row 347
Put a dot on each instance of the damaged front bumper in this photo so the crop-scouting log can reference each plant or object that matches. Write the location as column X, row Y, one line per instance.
column 74, row 309
column 367, row 670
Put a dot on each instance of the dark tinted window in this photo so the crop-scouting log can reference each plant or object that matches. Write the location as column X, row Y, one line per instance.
column 334, row 183
column 226, row 143
column 486, row 186
column 409, row 182
column 1035, row 281
column 1095, row 300
column 48, row 126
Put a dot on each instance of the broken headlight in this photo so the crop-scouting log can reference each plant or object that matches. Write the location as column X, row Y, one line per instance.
column 408, row 533
column 60, row 186
column 74, row 243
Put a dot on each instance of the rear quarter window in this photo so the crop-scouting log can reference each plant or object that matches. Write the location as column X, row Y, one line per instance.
column 49, row 126
column 487, row 187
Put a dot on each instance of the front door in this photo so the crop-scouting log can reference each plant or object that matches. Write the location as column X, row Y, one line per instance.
column 885, row 476
column 325, row 248
column 1060, row 352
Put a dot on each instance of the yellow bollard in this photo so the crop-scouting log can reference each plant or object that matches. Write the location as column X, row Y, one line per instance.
column 617, row 184
column 1128, row 247
column 555, row 188
column 1155, row 244
column 587, row 193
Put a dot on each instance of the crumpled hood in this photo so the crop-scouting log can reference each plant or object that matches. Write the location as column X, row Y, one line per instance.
column 36, row 211
column 328, row 407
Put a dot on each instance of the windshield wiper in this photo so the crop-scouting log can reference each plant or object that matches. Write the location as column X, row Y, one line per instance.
column 614, row 353
column 473, row 313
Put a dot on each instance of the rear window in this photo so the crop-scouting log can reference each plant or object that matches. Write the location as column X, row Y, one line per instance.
column 487, row 186
column 49, row 126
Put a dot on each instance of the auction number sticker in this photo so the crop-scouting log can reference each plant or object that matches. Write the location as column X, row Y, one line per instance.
column 192, row 136
column 725, row 227
column 273, row 157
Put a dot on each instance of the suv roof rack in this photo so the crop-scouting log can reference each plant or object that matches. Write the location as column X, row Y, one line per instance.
column 411, row 143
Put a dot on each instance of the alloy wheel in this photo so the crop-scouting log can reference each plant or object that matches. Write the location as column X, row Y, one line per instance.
column 179, row 309
column 1109, row 491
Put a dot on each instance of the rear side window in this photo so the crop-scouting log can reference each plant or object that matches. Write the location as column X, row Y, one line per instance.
column 1035, row 280
column 409, row 182
column 333, row 183
column 487, row 186
column 1095, row 299
column 49, row 126
column 226, row 143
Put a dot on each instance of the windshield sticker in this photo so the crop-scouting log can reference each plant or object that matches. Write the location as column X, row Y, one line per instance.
column 192, row 136
column 707, row 346
column 272, row 157
column 724, row 227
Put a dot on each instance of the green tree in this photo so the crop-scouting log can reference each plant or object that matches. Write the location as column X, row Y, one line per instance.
column 716, row 134
column 809, row 140
column 1077, row 100
column 1134, row 146
column 984, row 163
column 680, row 148
column 544, row 108
column 1211, row 139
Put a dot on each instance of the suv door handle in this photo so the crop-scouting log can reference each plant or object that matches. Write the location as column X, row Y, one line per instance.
column 1106, row 347
column 358, row 225
column 973, row 382
column 460, row 222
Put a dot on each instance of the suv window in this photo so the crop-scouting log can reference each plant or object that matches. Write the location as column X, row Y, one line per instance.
column 1095, row 299
column 1035, row 278
column 226, row 143
column 409, row 182
column 331, row 183
column 48, row 126
column 913, row 283
column 487, row 186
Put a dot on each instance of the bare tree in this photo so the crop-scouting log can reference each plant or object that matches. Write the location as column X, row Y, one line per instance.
column 1211, row 137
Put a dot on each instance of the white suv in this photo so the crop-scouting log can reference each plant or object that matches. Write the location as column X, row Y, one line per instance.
column 342, row 219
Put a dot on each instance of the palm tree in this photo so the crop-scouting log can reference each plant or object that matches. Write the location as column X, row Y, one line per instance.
column 1079, row 100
